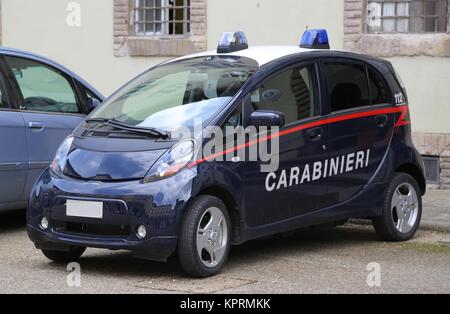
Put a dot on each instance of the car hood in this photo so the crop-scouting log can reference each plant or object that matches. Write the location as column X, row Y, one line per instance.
column 110, row 160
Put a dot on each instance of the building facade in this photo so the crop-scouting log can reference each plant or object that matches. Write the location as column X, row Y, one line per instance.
column 109, row 41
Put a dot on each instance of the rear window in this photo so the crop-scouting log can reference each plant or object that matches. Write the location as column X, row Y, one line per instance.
column 379, row 93
column 352, row 86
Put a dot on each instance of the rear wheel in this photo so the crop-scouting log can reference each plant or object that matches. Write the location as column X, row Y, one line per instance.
column 205, row 237
column 72, row 255
column 402, row 209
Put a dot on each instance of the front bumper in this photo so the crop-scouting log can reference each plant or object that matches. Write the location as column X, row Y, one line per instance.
column 159, row 206
column 155, row 249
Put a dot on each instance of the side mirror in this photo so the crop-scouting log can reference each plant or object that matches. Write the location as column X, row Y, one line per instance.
column 92, row 103
column 267, row 118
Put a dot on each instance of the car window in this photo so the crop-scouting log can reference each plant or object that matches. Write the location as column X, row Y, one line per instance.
column 43, row 88
column 91, row 95
column 348, row 87
column 231, row 126
column 235, row 119
column 379, row 93
column 3, row 100
column 294, row 92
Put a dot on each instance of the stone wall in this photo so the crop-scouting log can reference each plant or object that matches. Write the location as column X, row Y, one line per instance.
column 127, row 44
column 436, row 144
column 389, row 45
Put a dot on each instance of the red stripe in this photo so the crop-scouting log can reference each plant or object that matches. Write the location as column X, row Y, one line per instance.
column 403, row 109
column 404, row 115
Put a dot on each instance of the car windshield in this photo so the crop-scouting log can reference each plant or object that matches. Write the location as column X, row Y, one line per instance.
column 179, row 94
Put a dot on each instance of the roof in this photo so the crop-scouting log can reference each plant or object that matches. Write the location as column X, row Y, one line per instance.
column 49, row 62
column 266, row 54
column 261, row 54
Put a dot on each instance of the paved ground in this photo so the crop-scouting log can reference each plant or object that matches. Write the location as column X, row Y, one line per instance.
column 323, row 261
column 436, row 213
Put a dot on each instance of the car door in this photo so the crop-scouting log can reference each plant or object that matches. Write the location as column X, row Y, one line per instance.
column 13, row 152
column 359, row 106
column 50, row 106
column 291, row 190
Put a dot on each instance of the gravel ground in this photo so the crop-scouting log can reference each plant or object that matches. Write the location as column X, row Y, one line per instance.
column 313, row 261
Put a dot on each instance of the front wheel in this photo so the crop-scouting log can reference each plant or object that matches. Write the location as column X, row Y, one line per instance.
column 402, row 209
column 204, row 240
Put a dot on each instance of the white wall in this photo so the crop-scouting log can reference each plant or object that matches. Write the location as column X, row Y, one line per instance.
column 40, row 26
column 427, row 81
column 275, row 22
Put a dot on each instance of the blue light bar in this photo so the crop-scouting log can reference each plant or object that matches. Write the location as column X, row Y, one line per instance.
column 315, row 39
column 231, row 42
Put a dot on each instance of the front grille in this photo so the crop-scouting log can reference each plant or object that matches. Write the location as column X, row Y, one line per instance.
column 89, row 229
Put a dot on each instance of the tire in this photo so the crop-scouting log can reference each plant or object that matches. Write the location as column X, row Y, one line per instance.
column 65, row 257
column 203, row 251
column 402, row 199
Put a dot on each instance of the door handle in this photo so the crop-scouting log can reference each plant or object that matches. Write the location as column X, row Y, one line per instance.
column 381, row 120
column 315, row 134
column 36, row 125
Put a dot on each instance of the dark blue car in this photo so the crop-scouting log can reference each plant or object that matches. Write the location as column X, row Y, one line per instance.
column 140, row 175
column 41, row 103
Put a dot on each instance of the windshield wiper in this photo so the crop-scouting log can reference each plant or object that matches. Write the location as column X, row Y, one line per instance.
column 131, row 128
column 137, row 129
column 97, row 120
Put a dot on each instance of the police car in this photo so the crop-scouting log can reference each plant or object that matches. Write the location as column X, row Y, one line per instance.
column 338, row 137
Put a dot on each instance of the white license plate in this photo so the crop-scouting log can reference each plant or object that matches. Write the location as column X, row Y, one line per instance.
column 84, row 209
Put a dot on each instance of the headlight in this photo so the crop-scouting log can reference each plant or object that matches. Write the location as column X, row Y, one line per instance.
column 59, row 162
column 172, row 162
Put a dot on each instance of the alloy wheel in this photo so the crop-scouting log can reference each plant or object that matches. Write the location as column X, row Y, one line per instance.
column 212, row 237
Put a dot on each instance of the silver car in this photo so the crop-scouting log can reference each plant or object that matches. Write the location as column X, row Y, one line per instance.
column 41, row 102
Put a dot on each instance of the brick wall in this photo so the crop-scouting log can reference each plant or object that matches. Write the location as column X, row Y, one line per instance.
column 121, row 25
column 127, row 44
column 353, row 17
column 199, row 24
